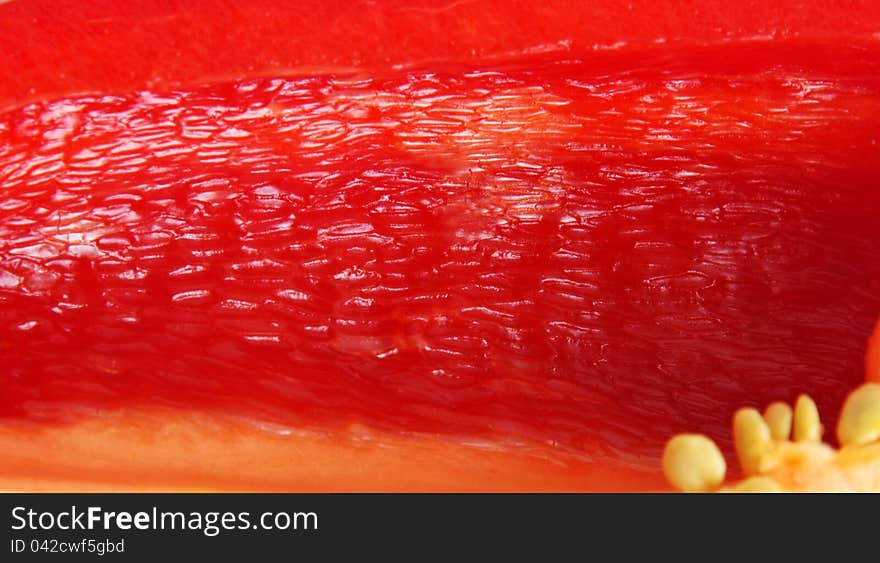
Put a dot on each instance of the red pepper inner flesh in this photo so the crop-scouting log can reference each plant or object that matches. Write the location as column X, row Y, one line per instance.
column 591, row 254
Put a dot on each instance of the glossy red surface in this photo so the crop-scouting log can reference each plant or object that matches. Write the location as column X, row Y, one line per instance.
column 591, row 253
column 54, row 48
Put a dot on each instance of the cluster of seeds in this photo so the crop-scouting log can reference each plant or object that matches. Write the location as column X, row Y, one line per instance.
column 782, row 450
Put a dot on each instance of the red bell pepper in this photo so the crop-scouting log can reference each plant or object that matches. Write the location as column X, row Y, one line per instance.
column 392, row 246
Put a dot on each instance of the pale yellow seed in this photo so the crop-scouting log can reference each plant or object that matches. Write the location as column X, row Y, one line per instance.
column 693, row 463
column 860, row 418
column 752, row 440
column 759, row 484
column 778, row 418
column 807, row 426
